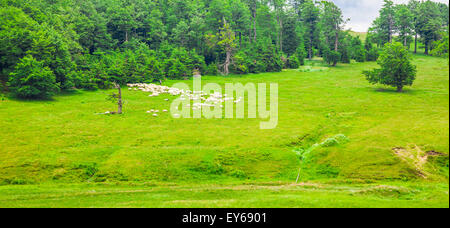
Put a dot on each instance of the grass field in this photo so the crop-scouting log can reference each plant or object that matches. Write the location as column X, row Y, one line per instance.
column 61, row 153
column 361, row 35
column 262, row 195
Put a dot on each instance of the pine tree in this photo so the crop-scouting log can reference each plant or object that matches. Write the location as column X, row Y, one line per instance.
column 331, row 23
column 310, row 19
column 396, row 68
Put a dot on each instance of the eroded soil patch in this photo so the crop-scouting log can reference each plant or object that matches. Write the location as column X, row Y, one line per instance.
column 417, row 158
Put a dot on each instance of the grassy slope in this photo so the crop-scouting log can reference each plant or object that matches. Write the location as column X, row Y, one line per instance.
column 361, row 35
column 63, row 141
column 253, row 196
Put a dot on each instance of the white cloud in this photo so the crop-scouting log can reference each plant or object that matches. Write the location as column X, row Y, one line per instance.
column 363, row 12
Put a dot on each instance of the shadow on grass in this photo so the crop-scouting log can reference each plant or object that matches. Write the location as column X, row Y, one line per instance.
column 70, row 92
column 30, row 100
column 406, row 91
column 49, row 99
column 393, row 90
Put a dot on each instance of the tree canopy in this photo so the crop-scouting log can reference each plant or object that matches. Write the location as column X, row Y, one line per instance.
column 89, row 43
column 396, row 67
column 425, row 20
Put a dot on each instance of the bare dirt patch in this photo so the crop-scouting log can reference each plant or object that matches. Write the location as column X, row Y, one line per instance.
column 435, row 153
column 416, row 157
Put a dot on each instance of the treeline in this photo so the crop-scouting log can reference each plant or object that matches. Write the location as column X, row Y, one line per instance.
column 426, row 22
column 51, row 45
column 88, row 43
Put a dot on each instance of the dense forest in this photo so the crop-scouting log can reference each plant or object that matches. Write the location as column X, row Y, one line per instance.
column 52, row 45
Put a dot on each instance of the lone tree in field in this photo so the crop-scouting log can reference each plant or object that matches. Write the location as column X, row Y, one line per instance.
column 396, row 68
column 117, row 98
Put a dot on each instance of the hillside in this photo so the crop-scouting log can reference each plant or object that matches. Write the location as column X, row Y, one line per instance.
column 361, row 35
column 63, row 140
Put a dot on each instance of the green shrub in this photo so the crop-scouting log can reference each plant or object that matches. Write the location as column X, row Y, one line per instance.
column 301, row 54
column 175, row 69
column 178, row 63
column 86, row 170
column 358, row 49
column 153, row 70
column 83, row 80
column 441, row 46
column 359, row 54
column 212, row 69
column 345, row 56
column 372, row 54
column 263, row 57
column 293, row 62
column 238, row 174
column 332, row 57
column 30, row 79
column 240, row 63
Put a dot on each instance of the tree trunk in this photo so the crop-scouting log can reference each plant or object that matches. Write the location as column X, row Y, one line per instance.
column 390, row 28
column 254, row 23
column 336, row 41
column 254, row 30
column 336, row 45
column 119, row 99
column 227, row 62
column 334, row 64
column 405, row 42
column 399, row 89
column 426, row 48
column 415, row 44
column 281, row 33
column 126, row 36
column 310, row 49
column 277, row 12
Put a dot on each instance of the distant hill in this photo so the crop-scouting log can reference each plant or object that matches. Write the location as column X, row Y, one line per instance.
column 362, row 35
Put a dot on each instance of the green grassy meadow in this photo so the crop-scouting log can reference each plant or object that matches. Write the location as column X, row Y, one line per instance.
column 61, row 153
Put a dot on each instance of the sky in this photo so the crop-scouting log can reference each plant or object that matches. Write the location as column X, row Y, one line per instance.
column 363, row 12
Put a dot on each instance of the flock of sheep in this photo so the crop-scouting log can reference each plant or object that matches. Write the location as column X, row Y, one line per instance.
column 200, row 98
